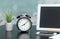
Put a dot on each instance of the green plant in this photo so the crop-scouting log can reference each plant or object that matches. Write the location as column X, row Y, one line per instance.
column 8, row 17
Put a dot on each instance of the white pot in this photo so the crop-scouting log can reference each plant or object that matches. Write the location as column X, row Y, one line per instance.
column 9, row 26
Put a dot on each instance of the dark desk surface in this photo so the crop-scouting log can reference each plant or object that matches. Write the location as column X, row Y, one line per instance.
column 16, row 34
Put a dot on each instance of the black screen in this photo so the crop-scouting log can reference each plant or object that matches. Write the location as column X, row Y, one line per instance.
column 50, row 17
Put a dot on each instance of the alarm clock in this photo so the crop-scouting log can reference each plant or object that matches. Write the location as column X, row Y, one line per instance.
column 24, row 23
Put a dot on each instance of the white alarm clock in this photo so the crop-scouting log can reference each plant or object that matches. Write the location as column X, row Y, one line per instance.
column 24, row 23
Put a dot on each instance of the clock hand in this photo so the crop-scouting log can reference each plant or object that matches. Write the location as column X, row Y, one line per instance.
column 24, row 23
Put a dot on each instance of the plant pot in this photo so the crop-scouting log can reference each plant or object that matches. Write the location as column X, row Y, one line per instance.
column 9, row 26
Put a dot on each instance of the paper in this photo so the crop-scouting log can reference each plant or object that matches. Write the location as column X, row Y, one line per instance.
column 55, row 37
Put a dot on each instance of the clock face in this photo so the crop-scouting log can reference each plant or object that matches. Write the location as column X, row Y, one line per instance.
column 24, row 24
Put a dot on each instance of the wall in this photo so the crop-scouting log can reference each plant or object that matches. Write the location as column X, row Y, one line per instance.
column 18, row 6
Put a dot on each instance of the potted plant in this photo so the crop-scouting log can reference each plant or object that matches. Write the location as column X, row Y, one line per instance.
column 9, row 25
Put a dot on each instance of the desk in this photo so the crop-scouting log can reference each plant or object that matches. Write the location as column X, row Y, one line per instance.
column 16, row 34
